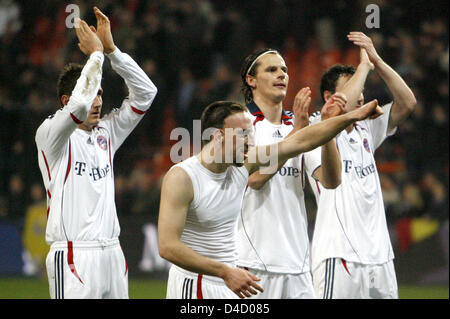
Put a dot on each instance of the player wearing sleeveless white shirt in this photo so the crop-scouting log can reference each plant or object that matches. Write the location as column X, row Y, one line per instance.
column 85, row 259
column 210, row 228
column 352, row 255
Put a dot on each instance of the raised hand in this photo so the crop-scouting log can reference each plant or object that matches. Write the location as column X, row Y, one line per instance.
column 334, row 106
column 103, row 31
column 302, row 102
column 364, row 58
column 89, row 42
column 363, row 41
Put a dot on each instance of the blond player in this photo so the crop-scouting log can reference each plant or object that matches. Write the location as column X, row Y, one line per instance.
column 76, row 148
column 352, row 256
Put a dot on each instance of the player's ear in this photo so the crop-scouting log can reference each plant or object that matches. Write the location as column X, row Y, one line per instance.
column 326, row 95
column 251, row 81
column 65, row 99
column 219, row 135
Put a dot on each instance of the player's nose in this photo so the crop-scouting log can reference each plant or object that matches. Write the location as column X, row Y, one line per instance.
column 97, row 102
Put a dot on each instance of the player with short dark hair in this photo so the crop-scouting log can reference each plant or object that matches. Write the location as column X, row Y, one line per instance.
column 67, row 80
column 76, row 148
column 330, row 78
column 352, row 256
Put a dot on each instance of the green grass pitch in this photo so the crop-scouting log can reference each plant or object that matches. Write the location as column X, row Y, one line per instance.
column 31, row 288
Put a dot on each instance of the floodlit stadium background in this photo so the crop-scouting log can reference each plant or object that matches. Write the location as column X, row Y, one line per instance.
column 192, row 50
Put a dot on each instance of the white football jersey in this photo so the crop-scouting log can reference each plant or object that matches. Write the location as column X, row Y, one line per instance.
column 272, row 226
column 211, row 220
column 351, row 221
column 77, row 165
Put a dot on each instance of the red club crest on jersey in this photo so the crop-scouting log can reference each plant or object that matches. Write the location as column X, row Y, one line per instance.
column 366, row 145
column 101, row 141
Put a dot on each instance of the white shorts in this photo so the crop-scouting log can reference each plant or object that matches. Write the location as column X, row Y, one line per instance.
column 183, row 284
column 284, row 286
column 336, row 278
column 87, row 270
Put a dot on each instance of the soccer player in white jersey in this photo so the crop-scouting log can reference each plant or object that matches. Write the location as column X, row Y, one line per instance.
column 76, row 149
column 273, row 240
column 201, row 198
column 352, row 255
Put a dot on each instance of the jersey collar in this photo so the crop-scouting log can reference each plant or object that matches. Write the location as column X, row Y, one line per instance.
column 256, row 111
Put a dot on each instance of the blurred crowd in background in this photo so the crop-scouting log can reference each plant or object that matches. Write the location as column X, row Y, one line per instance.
column 192, row 50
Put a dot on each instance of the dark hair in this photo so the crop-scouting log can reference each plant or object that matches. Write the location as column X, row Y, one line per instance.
column 330, row 78
column 214, row 115
column 246, row 89
column 68, row 79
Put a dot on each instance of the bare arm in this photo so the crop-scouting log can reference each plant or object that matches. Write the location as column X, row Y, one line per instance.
column 353, row 88
column 404, row 99
column 310, row 137
column 329, row 173
column 176, row 196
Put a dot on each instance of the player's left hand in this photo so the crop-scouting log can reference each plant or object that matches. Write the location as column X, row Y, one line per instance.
column 363, row 41
column 103, row 31
column 369, row 110
column 302, row 102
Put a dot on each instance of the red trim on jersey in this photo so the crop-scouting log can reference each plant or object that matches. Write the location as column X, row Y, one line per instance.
column 318, row 188
column 74, row 118
column 69, row 164
column 345, row 265
column 303, row 171
column 46, row 164
column 135, row 110
column 49, row 196
column 258, row 118
column 70, row 260
column 199, row 286
column 285, row 119
column 109, row 149
column 258, row 113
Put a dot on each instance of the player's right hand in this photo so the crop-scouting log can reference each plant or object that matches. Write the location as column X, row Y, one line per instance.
column 103, row 31
column 89, row 41
column 242, row 282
